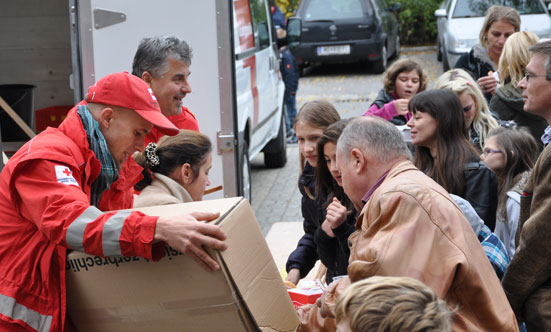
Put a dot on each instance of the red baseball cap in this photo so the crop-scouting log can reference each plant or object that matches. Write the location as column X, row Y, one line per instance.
column 129, row 91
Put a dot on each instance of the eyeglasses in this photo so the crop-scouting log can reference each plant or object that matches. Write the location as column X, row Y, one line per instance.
column 488, row 151
column 527, row 75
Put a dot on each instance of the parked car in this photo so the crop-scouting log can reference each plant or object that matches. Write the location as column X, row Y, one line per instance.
column 343, row 31
column 459, row 23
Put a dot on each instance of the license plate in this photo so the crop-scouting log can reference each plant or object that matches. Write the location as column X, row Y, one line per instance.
column 334, row 50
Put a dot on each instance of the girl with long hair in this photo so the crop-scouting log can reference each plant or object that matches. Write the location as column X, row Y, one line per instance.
column 332, row 236
column 311, row 121
column 443, row 152
column 478, row 118
column 511, row 154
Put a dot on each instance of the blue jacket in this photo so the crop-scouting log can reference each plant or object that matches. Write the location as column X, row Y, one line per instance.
column 289, row 70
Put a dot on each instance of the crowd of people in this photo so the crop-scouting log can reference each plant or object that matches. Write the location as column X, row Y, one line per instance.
column 462, row 209
column 446, row 233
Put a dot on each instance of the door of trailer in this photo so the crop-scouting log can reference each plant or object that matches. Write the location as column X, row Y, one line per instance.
column 106, row 34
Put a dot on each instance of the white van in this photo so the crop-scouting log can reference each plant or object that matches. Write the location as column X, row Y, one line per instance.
column 63, row 46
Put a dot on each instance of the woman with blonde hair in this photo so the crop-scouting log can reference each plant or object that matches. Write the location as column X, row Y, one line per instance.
column 176, row 170
column 483, row 59
column 478, row 119
column 507, row 102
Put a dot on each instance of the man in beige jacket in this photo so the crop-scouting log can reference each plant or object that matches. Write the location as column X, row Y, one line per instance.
column 409, row 226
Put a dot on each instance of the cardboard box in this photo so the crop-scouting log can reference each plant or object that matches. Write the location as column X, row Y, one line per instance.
column 176, row 294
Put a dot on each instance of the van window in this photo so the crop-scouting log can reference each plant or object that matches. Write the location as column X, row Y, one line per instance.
column 260, row 23
column 335, row 9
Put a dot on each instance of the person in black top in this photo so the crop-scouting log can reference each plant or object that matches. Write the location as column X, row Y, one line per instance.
column 311, row 121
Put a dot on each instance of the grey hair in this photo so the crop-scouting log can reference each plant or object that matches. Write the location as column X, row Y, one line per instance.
column 544, row 48
column 376, row 137
column 153, row 53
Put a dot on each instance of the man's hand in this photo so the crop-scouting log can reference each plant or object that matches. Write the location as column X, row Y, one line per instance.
column 188, row 235
column 401, row 106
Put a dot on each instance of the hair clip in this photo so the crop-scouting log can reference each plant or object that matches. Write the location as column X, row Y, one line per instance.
column 151, row 155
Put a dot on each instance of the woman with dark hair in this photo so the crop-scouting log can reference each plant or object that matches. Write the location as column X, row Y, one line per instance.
column 511, row 154
column 332, row 236
column 176, row 170
column 443, row 151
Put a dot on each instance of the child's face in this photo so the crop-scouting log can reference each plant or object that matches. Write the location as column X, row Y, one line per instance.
column 308, row 137
column 330, row 155
column 492, row 155
column 407, row 84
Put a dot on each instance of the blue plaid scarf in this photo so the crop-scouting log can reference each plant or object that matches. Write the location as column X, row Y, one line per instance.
column 109, row 171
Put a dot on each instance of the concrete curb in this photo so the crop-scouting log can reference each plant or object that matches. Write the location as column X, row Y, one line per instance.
column 418, row 48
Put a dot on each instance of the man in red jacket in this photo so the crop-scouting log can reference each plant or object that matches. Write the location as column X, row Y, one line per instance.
column 55, row 189
column 163, row 63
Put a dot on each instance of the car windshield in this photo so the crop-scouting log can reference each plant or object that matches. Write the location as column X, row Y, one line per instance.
column 477, row 8
column 333, row 9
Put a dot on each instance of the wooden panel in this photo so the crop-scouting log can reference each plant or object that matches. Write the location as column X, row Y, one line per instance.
column 35, row 32
column 33, row 8
column 22, row 66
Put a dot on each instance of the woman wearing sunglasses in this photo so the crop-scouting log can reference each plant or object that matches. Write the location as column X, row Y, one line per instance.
column 511, row 154
column 478, row 119
column 443, row 152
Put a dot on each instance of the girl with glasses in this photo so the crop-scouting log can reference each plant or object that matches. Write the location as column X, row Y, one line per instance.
column 511, row 154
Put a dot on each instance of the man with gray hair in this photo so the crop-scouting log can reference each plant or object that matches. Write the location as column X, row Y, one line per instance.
column 527, row 281
column 409, row 226
column 163, row 63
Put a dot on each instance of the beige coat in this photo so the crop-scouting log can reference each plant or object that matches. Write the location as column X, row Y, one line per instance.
column 162, row 191
column 412, row 227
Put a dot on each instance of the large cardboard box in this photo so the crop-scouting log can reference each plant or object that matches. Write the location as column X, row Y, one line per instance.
column 176, row 294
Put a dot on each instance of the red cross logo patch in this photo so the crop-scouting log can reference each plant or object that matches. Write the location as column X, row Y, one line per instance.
column 65, row 175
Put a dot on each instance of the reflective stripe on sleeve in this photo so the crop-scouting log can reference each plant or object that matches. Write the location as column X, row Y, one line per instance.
column 112, row 233
column 75, row 231
column 10, row 308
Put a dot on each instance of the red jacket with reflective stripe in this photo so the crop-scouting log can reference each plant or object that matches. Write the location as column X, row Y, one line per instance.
column 46, row 210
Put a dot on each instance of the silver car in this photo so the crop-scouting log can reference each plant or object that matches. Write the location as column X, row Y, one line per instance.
column 459, row 23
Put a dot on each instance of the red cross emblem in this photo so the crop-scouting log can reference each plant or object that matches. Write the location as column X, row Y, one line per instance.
column 67, row 172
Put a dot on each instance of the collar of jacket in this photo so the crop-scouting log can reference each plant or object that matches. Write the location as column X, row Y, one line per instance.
column 481, row 54
column 173, row 188
column 396, row 169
